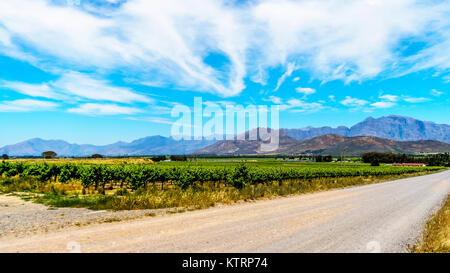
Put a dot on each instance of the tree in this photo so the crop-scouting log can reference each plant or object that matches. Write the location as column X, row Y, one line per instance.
column 178, row 158
column 97, row 156
column 327, row 158
column 158, row 158
column 375, row 163
column 49, row 154
column 5, row 156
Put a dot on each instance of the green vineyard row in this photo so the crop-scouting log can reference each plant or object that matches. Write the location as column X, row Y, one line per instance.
column 137, row 176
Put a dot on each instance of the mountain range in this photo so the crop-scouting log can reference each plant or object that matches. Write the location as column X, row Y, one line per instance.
column 329, row 144
column 153, row 145
column 390, row 133
column 392, row 127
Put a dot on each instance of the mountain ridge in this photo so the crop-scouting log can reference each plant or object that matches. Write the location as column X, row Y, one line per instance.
column 152, row 145
column 392, row 127
column 330, row 144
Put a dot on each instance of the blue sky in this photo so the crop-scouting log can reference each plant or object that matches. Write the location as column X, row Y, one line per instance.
column 105, row 71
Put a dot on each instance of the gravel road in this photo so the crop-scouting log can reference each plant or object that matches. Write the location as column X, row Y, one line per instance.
column 20, row 218
column 384, row 217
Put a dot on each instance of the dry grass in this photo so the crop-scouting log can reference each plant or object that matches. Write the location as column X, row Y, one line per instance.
column 436, row 238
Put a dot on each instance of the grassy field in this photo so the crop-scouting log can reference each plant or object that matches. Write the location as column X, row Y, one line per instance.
column 436, row 238
column 120, row 184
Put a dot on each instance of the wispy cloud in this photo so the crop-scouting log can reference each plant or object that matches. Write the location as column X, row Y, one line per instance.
column 353, row 102
column 383, row 104
column 84, row 86
column 416, row 100
column 33, row 90
column 389, row 97
column 275, row 99
column 296, row 106
column 436, row 93
column 95, row 109
column 290, row 68
column 169, row 41
column 77, row 85
column 26, row 105
column 305, row 90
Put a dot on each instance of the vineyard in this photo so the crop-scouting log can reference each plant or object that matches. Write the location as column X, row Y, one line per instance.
column 137, row 176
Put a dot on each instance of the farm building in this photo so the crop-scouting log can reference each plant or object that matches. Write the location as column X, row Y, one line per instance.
column 409, row 164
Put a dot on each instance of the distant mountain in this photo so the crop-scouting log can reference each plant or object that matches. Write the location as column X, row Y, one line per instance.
column 397, row 128
column 36, row 146
column 328, row 144
column 154, row 145
column 355, row 146
column 314, row 145
column 244, row 146
column 310, row 132
column 391, row 127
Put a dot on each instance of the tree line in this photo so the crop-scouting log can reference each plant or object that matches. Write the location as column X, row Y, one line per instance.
column 429, row 160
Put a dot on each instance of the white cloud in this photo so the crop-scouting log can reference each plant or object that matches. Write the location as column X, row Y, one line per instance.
column 81, row 85
column 103, row 109
column 33, row 90
column 160, row 120
column 436, row 93
column 389, row 97
column 383, row 104
column 296, row 79
column 290, row 68
column 446, row 78
column 353, row 102
column 260, row 76
column 305, row 90
column 158, row 39
column 349, row 40
column 168, row 41
column 416, row 100
column 78, row 85
column 332, row 98
column 153, row 120
column 296, row 105
column 274, row 99
column 26, row 105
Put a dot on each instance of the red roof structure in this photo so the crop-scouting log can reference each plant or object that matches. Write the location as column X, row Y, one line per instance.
column 409, row 164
